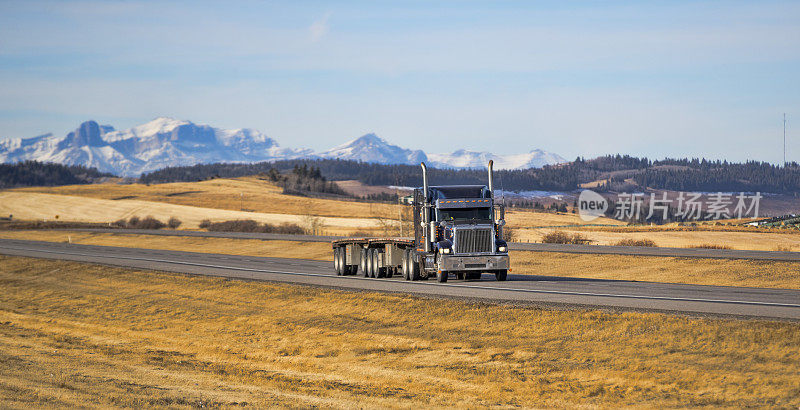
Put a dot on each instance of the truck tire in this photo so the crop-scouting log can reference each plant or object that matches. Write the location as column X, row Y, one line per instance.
column 460, row 275
column 441, row 276
column 414, row 268
column 379, row 272
column 404, row 265
column 370, row 265
column 501, row 275
column 337, row 261
column 363, row 263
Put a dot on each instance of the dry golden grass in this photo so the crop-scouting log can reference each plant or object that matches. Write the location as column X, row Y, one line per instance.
column 528, row 218
column 220, row 199
column 263, row 197
column 76, row 334
column 764, row 241
column 251, row 247
column 720, row 272
column 235, row 194
column 39, row 206
column 618, row 267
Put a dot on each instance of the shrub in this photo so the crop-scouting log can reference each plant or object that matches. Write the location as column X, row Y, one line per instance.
column 290, row 229
column 709, row 246
column 509, row 234
column 636, row 242
column 150, row 223
column 205, row 223
column 249, row 225
column 135, row 222
column 239, row 225
column 564, row 238
column 174, row 223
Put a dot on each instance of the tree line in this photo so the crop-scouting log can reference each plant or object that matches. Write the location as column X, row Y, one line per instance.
column 616, row 173
column 34, row 173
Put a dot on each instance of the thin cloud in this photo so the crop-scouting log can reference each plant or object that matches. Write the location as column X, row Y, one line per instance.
column 319, row 28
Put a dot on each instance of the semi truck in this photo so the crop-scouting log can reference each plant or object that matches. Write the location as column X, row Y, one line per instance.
column 458, row 231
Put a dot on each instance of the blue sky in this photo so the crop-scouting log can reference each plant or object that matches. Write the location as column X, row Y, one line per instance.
column 576, row 78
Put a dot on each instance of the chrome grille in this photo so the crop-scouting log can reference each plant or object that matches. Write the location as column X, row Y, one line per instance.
column 473, row 240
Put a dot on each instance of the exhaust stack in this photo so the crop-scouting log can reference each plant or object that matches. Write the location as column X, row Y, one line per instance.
column 424, row 181
column 491, row 179
column 426, row 225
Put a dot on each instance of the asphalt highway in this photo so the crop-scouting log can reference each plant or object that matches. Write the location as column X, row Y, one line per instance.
column 514, row 246
column 524, row 289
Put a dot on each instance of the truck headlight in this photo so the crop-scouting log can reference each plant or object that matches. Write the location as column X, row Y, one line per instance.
column 502, row 249
column 444, row 250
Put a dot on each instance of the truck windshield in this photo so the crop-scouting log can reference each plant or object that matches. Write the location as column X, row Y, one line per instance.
column 464, row 214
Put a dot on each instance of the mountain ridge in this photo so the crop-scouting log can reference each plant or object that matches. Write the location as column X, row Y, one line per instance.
column 168, row 142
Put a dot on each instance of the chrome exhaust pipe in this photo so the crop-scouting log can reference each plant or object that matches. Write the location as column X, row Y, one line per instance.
column 424, row 181
column 426, row 210
column 491, row 179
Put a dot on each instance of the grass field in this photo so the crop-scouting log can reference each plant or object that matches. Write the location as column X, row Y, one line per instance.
column 760, row 241
column 232, row 194
column 617, row 267
column 251, row 247
column 39, row 206
column 224, row 199
column 85, row 335
column 251, row 193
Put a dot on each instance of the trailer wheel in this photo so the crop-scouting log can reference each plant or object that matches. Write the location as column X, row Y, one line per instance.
column 379, row 272
column 369, row 272
column 501, row 275
column 390, row 271
column 404, row 265
column 337, row 261
column 441, row 276
column 363, row 262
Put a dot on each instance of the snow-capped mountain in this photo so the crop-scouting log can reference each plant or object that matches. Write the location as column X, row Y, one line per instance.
column 473, row 159
column 157, row 144
column 167, row 142
column 372, row 148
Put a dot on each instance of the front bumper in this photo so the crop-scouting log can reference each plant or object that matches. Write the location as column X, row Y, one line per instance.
column 479, row 263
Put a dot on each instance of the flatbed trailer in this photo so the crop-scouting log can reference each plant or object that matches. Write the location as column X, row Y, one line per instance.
column 373, row 257
column 458, row 230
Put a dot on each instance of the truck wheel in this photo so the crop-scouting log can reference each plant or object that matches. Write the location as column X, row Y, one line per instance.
column 441, row 276
column 501, row 275
column 337, row 261
column 379, row 272
column 404, row 265
column 413, row 268
column 370, row 265
column 364, row 264
column 460, row 275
